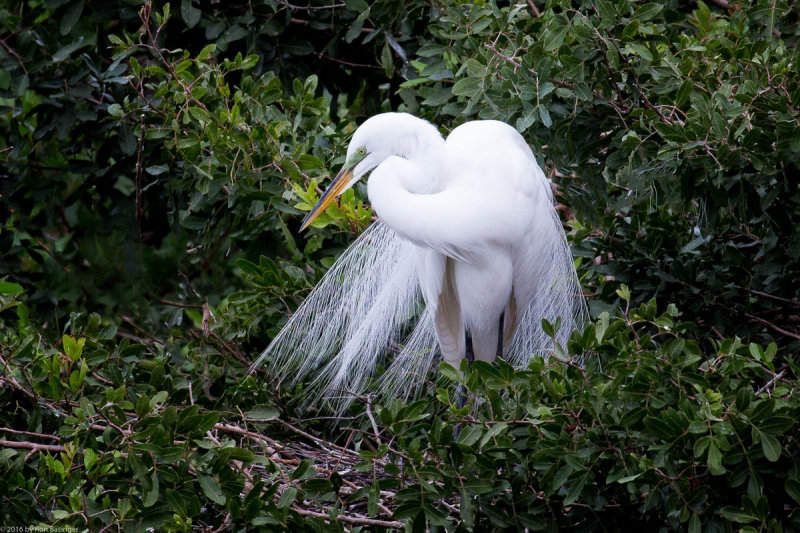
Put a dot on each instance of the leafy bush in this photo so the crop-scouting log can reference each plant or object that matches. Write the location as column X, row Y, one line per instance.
column 659, row 435
column 154, row 168
column 137, row 440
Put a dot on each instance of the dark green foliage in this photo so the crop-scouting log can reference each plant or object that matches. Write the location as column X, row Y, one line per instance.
column 655, row 436
column 650, row 432
column 156, row 161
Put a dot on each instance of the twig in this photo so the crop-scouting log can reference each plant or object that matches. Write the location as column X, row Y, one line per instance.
column 135, row 338
column 372, row 419
column 773, row 326
column 771, row 382
column 206, row 323
column 362, row 521
column 30, row 433
column 252, row 434
column 50, row 253
column 178, row 304
column 32, row 446
column 320, row 55
column 770, row 296
column 312, row 8
column 235, row 352
column 534, row 10
column 14, row 53
column 138, row 184
column 8, row 378
column 130, row 321
column 316, row 440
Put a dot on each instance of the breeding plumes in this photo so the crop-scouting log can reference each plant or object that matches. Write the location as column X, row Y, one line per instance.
column 466, row 259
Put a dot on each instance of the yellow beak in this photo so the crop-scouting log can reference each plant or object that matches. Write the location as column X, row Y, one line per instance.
column 337, row 186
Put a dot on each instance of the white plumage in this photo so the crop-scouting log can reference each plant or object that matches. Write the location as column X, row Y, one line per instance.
column 467, row 233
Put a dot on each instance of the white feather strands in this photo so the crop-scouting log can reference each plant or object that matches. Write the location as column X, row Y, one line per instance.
column 368, row 309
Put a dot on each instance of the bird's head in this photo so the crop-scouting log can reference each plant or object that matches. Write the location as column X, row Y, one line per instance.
column 376, row 139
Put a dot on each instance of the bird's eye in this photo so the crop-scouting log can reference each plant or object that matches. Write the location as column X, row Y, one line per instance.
column 362, row 151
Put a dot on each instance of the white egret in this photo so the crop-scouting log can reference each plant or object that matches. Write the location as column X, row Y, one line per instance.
column 466, row 259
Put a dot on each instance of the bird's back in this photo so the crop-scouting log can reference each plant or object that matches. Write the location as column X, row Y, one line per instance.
column 496, row 154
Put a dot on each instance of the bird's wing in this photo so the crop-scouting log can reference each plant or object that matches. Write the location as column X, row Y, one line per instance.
column 510, row 320
column 447, row 317
column 368, row 300
column 546, row 286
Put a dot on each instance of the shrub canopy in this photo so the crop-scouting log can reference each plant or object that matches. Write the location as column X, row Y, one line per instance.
column 156, row 161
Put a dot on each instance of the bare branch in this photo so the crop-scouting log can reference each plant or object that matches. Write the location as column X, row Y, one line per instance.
column 362, row 521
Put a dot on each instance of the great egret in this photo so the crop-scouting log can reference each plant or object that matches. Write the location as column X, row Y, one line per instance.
column 467, row 258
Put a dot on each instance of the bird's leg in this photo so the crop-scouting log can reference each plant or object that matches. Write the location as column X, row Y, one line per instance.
column 470, row 351
column 470, row 356
column 499, row 354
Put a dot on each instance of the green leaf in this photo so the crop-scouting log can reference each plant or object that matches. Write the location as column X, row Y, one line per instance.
column 65, row 51
column 701, row 445
column 387, row 60
column 373, row 500
column 6, row 454
column 150, row 496
column 467, row 509
column 262, row 412
column 554, row 37
column 89, row 458
column 714, row 457
column 574, row 491
column 438, row 97
column 606, row 10
column 211, row 489
column 191, row 15
column 684, row 92
column 115, row 110
column 127, row 140
column 629, row 32
column 467, row 87
column 641, row 50
column 287, row 497
column 777, row 425
column 495, row 430
column 357, row 5
column 770, row 446
column 73, row 348
column 736, row 515
column 624, row 292
column 693, row 245
column 450, row 372
column 647, row 11
column 792, row 487
column 6, row 287
column 414, row 82
column 544, row 114
column 694, row 524
column 176, row 502
column 628, row 479
column 71, row 17
column 206, row 52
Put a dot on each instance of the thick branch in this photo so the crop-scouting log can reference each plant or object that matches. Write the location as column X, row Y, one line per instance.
column 362, row 521
column 32, row 446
